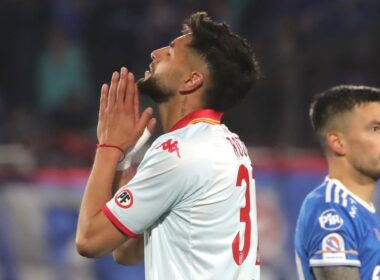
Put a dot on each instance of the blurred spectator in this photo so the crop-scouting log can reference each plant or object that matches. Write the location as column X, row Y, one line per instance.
column 62, row 74
column 71, row 15
column 63, row 101
column 303, row 47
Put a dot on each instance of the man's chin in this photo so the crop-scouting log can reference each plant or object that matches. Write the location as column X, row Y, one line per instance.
column 147, row 86
column 374, row 174
column 147, row 75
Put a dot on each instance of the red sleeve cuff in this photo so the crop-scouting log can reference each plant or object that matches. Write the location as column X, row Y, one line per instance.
column 116, row 222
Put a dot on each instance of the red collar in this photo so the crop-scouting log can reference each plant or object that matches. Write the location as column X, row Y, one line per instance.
column 203, row 115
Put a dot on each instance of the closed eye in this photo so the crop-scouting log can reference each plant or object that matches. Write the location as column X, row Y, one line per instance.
column 170, row 49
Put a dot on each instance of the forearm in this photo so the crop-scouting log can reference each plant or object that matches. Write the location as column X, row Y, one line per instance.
column 98, row 191
column 120, row 124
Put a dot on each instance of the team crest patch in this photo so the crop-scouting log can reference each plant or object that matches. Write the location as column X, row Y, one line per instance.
column 330, row 220
column 333, row 247
column 333, row 243
column 124, row 199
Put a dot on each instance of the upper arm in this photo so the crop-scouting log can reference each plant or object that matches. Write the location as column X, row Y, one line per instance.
column 336, row 273
column 162, row 180
column 327, row 239
column 122, row 178
column 330, row 238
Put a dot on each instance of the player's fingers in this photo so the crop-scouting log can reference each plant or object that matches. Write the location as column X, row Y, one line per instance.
column 151, row 126
column 144, row 120
column 103, row 100
column 130, row 93
column 120, row 92
column 136, row 104
column 112, row 89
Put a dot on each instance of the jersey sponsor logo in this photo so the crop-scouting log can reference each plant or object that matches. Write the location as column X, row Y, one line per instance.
column 330, row 220
column 376, row 273
column 124, row 199
column 170, row 146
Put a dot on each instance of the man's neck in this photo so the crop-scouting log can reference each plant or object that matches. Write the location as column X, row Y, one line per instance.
column 171, row 113
column 359, row 184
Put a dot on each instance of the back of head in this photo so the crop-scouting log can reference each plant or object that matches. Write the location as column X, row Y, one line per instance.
column 231, row 62
column 332, row 103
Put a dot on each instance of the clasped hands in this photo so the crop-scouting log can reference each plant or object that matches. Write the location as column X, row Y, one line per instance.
column 120, row 123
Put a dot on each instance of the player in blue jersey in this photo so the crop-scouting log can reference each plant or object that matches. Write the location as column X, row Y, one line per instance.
column 338, row 230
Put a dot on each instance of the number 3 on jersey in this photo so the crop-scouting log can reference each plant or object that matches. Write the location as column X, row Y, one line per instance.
column 240, row 256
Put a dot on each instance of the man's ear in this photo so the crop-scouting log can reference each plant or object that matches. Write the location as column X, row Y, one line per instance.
column 192, row 83
column 335, row 143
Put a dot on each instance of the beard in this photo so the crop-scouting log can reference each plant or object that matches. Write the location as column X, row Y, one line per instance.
column 371, row 172
column 150, row 87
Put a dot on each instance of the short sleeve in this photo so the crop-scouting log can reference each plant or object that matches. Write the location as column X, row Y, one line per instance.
column 160, row 182
column 330, row 237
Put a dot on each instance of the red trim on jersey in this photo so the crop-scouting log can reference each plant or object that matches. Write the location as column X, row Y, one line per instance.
column 117, row 223
column 204, row 115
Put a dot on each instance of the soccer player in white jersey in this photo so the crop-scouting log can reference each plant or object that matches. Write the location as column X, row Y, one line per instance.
column 338, row 230
column 190, row 211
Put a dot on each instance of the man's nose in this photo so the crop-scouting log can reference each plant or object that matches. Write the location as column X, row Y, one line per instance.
column 156, row 54
column 153, row 55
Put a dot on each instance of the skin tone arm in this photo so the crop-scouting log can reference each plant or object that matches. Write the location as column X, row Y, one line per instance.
column 336, row 273
column 121, row 125
column 132, row 250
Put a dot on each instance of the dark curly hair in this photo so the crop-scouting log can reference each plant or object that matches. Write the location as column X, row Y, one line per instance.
column 230, row 59
column 337, row 100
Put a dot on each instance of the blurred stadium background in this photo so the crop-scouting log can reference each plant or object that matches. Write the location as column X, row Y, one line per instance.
column 55, row 54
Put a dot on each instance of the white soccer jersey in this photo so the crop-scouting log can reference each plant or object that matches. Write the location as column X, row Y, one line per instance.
column 193, row 197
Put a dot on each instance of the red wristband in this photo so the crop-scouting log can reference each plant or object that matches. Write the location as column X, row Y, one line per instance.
column 112, row 146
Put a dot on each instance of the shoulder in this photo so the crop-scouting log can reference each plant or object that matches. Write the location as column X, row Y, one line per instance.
column 327, row 230
column 329, row 195
column 181, row 147
column 315, row 199
column 329, row 205
column 195, row 137
column 327, row 210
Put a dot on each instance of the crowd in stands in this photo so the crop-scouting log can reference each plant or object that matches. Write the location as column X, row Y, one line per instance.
column 55, row 54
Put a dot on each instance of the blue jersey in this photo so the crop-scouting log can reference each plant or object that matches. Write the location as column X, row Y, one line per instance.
column 337, row 228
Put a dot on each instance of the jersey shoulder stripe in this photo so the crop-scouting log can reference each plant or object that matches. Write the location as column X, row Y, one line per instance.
column 337, row 193
column 334, row 193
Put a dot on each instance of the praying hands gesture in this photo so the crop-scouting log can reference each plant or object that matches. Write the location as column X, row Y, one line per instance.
column 120, row 123
column 120, row 126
